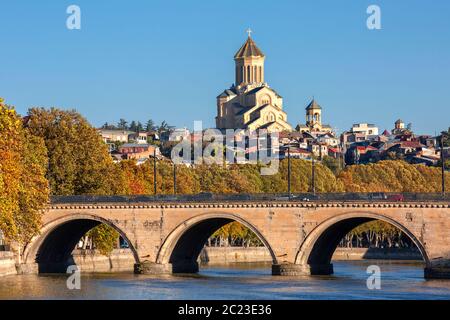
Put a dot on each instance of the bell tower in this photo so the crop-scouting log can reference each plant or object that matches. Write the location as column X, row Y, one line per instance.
column 249, row 62
column 314, row 115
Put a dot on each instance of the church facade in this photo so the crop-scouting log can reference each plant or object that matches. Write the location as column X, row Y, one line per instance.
column 250, row 103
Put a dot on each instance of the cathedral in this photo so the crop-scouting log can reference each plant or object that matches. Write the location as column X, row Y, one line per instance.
column 250, row 103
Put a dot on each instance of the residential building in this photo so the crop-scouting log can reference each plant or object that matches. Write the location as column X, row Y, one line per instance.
column 138, row 151
column 318, row 149
column 139, row 137
column 110, row 136
column 295, row 153
column 367, row 129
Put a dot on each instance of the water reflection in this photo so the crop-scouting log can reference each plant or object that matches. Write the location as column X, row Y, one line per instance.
column 235, row 281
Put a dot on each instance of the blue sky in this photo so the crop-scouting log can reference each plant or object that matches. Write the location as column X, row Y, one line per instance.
column 168, row 60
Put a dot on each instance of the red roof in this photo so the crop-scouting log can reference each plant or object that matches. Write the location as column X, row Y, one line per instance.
column 295, row 150
column 411, row 144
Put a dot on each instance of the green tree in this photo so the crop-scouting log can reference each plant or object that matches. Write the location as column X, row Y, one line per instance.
column 150, row 126
column 133, row 126
column 122, row 124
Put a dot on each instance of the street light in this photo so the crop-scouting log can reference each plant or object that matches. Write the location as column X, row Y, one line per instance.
column 313, row 163
column 289, row 171
column 174, row 178
column 154, row 170
column 443, row 165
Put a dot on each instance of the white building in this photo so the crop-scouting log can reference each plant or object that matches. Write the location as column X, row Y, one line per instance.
column 365, row 128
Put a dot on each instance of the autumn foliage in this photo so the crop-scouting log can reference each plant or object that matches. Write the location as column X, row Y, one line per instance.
column 23, row 187
column 58, row 152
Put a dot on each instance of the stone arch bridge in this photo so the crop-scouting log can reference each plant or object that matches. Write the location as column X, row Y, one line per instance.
column 167, row 235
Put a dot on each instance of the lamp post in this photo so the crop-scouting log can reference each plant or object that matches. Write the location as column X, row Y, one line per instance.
column 174, row 178
column 154, row 171
column 313, row 174
column 289, row 171
column 443, row 165
column 313, row 166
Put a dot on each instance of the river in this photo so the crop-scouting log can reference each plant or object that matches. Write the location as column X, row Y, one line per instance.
column 399, row 280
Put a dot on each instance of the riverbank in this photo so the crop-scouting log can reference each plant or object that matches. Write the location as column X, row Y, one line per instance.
column 7, row 263
column 122, row 260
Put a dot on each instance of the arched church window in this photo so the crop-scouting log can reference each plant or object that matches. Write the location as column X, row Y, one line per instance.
column 316, row 117
column 265, row 100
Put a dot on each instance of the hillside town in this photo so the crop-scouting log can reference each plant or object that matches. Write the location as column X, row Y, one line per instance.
column 250, row 104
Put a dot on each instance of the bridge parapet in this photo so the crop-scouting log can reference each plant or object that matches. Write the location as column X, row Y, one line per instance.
column 258, row 197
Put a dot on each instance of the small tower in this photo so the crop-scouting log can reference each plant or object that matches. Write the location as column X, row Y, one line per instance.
column 314, row 115
column 399, row 127
column 399, row 124
column 249, row 63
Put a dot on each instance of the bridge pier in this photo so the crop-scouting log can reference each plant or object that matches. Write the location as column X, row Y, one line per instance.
column 148, row 267
column 437, row 273
column 291, row 269
column 27, row 268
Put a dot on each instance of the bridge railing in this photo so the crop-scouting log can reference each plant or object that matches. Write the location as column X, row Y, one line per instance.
column 295, row 197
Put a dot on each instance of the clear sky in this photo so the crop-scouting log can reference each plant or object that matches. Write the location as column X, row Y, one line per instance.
column 168, row 60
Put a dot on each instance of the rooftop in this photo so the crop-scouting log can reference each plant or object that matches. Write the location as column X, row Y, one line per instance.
column 249, row 49
column 313, row 105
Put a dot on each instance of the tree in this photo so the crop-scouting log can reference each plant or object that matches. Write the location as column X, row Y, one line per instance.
column 139, row 127
column 150, row 126
column 163, row 127
column 391, row 176
column 23, row 188
column 107, row 126
column 446, row 136
column 334, row 164
column 104, row 238
column 133, row 126
column 122, row 124
column 34, row 193
column 78, row 160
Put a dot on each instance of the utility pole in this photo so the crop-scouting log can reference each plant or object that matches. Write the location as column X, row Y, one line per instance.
column 154, row 171
column 174, row 178
column 313, row 174
column 313, row 166
column 443, row 165
column 289, row 171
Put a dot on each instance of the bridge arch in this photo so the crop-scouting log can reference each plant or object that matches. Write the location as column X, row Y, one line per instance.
column 54, row 245
column 183, row 245
column 317, row 249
